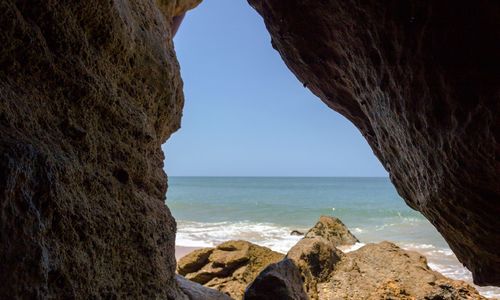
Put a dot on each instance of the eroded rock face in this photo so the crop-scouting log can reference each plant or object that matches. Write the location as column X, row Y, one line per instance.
column 333, row 230
column 385, row 271
column 89, row 90
column 316, row 259
column 420, row 80
column 229, row 267
column 316, row 269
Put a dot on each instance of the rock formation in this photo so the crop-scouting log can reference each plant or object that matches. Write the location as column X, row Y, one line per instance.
column 229, row 267
column 420, row 80
column 333, row 230
column 385, row 271
column 281, row 280
column 316, row 258
column 315, row 269
column 89, row 91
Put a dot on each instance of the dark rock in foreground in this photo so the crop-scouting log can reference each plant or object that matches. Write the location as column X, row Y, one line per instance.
column 89, row 91
column 229, row 267
column 421, row 81
column 281, row 280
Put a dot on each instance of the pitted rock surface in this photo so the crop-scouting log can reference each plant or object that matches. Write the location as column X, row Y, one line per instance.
column 420, row 80
column 229, row 267
column 333, row 230
column 89, row 91
column 385, row 271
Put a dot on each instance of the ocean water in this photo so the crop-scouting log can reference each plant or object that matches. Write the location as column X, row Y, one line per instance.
column 264, row 210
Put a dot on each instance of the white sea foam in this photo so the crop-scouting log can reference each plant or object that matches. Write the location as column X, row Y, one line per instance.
column 197, row 234
column 445, row 262
column 278, row 238
column 357, row 230
column 351, row 248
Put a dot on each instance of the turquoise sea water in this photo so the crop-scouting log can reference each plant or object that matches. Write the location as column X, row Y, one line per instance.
column 264, row 210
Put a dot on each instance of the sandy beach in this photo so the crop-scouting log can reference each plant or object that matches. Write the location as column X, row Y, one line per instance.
column 180, row 251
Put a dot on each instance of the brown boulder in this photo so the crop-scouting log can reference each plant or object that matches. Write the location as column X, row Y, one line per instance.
column 229, row 267
column 333, row 230
column 194, row 261
column 420, row 80
column 385, row 271
column 375, row 271
column 316, row 259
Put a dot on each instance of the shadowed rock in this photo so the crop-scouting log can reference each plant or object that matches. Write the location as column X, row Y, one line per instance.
column 316, row 259
column 281, row 280
column 89, row 91
column 420, row 80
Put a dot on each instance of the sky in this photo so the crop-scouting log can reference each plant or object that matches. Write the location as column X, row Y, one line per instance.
column 246, row 114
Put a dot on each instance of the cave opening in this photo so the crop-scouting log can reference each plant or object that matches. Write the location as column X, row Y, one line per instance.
column 248, row 121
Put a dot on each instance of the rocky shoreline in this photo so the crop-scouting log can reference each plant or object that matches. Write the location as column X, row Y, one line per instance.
column 315, row 268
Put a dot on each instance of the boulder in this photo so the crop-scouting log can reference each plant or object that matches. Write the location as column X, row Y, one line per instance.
column 333, row 230
column 194, row 261
column 229, row 267
column 316, row 259
column 375, row 271
column 385, row 271
column 420, row 80
column 296, row 232
column 281, row 281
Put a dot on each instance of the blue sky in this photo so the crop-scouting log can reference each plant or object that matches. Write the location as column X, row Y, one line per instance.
column 246, row 114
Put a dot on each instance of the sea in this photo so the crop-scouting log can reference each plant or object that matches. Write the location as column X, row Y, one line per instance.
column 264, row 210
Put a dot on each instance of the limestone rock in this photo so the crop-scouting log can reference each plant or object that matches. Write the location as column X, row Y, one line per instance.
column 385, row 271
column 333, row 230
column 314, row 266
column 176, row 8
column 281, row 280
column 194, row 261
column 420, row 80
column 89, row 91
column 229, row 267
column 316, row 259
